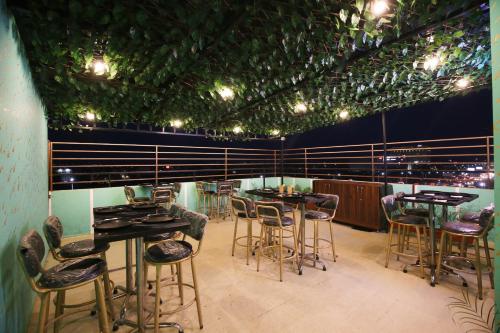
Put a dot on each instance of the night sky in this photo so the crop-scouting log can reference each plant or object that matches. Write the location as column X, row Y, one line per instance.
column 462, row 116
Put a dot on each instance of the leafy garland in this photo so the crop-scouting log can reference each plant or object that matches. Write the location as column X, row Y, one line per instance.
column 167, row 61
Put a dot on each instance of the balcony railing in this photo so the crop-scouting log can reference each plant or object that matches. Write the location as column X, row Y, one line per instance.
column 455, row 161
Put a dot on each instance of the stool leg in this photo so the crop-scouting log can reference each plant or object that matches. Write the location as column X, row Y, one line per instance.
column 399, row 242
column 249, row 239
column 477, row 266
column 262, row 242
column 332, row 241
column 281, row 253
column 42, row 315
column 107, row 288
column 389, row 241
column 440, row 257
column 295, row 245
column 419, row 249
column 179, row 282
column 488, row 260
column 157, row 298
column 60, row 299
column 196, row 293
column 101, row 306
column 234, row 235
column 315, row 242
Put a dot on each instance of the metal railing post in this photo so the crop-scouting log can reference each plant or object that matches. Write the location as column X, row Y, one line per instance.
column 372, row 163
column 225, row 164
column 305, row 162
column 274, row 163
column 49, row 158
column 488, row 159
column 156, row 165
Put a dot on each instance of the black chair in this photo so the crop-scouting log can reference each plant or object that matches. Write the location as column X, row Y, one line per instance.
column 131, row 198
column 403, row 222
column 176, row 252
column 475, row 232
column 53, row 230
column 65, row 276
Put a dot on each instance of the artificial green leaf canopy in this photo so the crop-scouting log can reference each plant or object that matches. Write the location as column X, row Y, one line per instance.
column 170, row 60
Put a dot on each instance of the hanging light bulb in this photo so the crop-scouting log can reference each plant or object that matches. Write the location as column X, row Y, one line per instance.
column 379, row 7
column 90, row 116
column 462, row 83
column 176, row 123
column 237, row 130
column 300, row 108
column 275, row 132
column 344, row 114
column 100, row 67
column 432, row 62
column 226, row 93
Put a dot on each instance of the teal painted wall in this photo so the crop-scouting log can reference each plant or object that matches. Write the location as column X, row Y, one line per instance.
column 23, row 173
column 495, row 65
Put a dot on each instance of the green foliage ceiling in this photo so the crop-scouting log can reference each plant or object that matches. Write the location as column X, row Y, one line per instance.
column 168, row 58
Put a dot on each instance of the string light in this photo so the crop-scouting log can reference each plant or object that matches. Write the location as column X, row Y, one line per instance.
column 100, row 67
column 237, row 130
column 379, row 7
column 275, row 132
column 432, row 62
column 344, row 114
column 226, row 93
column 462, row 83
column 176, row 123
column 300, row 108
column 90, row 116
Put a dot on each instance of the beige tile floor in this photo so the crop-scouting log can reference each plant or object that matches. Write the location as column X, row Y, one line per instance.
column 355, row 294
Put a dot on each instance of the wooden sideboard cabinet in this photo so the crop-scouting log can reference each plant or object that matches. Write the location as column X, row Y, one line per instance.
column 359, row 202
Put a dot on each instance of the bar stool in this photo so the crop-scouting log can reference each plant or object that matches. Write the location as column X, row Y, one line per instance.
column 221, row 197
column 163, row 196
column 174, row 252
column 130, row 195
column 68, row 275
column 405, row 210
column 325, row 213
column 475, row 232
column 243, row 209
column 236, row 186
column 272, row 219
column 53, row 230
column 395, row 218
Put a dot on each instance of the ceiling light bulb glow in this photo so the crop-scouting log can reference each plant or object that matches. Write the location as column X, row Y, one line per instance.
column 90, row 116
column 379, row 7
column 463, row 83
column 226, row 93
column 344, row 114
column 431, row 63
column 275, row 132
column 176, row 123
column 100, row 67
column 237, row 130
column 300, row 108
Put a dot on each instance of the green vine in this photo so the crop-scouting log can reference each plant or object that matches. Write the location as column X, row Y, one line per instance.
column 167, row 60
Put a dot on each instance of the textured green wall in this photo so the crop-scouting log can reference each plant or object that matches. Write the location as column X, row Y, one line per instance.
column 23, row 173
column 495, row 65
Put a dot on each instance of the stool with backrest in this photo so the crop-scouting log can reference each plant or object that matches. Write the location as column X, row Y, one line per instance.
column 273, row 219
column 222, row 195
column 325, row 213
column 68, row 275
column 176, row 252
column 243, row 209
column 403, row 222
column 476, row 232
column 53, row 230
column 163, row 196
column 131, row 198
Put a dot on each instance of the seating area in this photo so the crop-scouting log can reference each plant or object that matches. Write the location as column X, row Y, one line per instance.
column 262, row 166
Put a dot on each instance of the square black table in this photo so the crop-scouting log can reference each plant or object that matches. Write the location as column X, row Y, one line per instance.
column 135, row 231
column 432, row 198
column 296, row 198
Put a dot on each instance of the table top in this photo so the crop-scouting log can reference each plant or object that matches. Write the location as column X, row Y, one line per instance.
column 296, row 197
column 137, row 229
column 439, row 198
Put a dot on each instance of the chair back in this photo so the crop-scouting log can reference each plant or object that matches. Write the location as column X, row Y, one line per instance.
column 53, row 230
column 331, row 203
column 129, row 193
column 389, row 205
column 237, row 184
column 486, row 217
column 224, row 187
column 269, row 210
column 162, row 195
column 198, row 222
column 176, row 210
column 241, row 205
column 31, row 251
